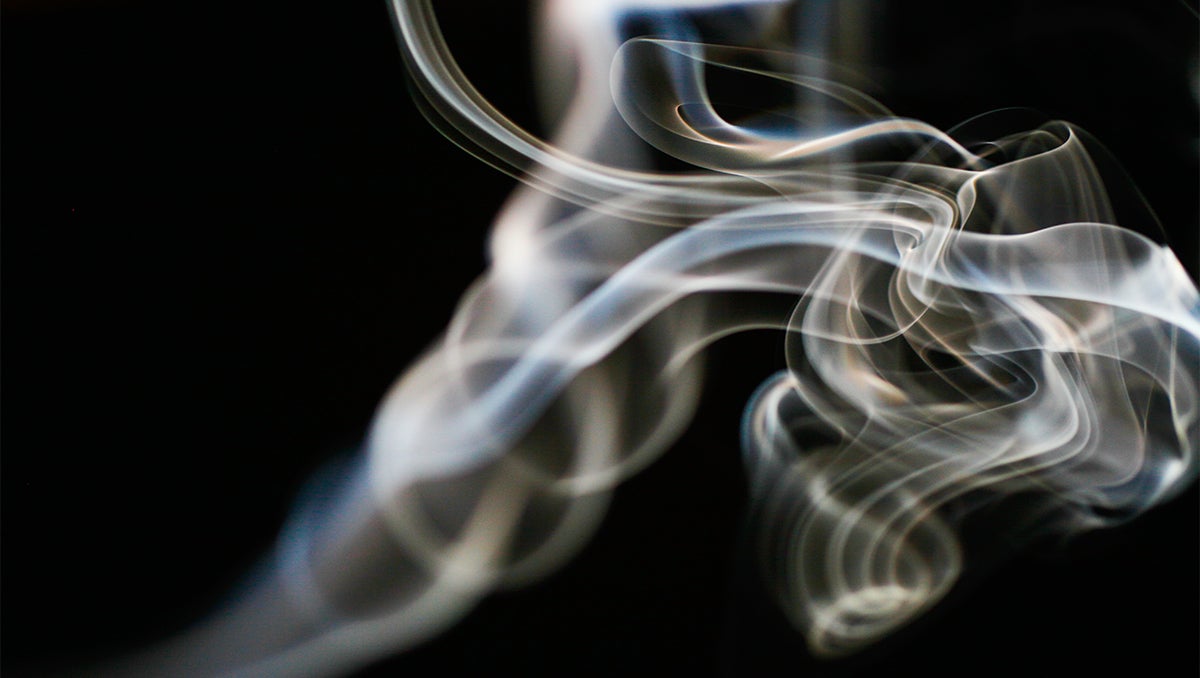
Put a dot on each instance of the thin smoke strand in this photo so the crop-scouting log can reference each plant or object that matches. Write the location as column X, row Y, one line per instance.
column 966, row 324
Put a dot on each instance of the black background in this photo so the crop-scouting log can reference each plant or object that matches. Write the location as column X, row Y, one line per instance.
column 226, row 229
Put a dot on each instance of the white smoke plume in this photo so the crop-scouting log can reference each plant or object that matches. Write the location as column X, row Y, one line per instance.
column 967, row 323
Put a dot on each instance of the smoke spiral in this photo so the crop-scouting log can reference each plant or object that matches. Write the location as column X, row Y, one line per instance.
column 965, row 322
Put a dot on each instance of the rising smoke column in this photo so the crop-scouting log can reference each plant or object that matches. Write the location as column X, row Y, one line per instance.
column 966, row 324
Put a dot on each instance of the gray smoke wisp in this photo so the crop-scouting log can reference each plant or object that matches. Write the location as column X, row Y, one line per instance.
column 966, row 323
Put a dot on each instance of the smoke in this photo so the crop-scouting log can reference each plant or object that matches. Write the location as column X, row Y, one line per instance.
column 967, row 324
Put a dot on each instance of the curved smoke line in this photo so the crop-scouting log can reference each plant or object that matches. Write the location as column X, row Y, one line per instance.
column 967, row 324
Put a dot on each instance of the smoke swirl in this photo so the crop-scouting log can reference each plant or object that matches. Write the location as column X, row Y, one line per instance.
column 966, row 322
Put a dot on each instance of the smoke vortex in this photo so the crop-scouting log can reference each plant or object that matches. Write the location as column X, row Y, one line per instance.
column 967, row 325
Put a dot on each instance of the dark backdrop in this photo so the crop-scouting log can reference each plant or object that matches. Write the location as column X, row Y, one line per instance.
column 226, row 229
